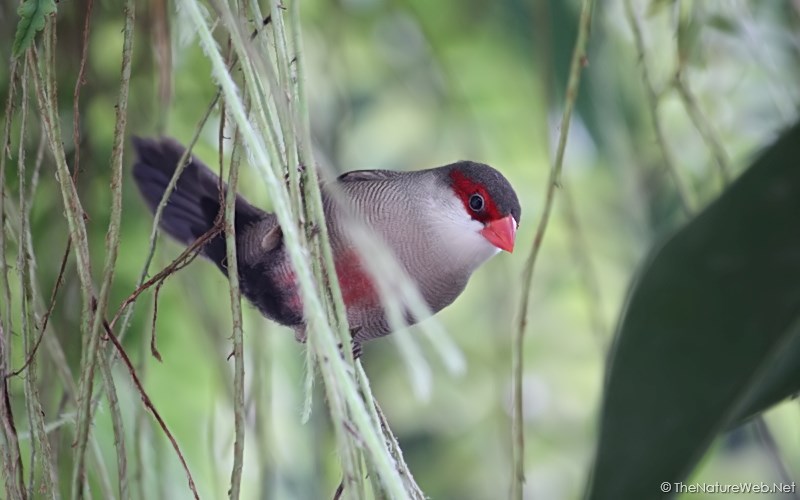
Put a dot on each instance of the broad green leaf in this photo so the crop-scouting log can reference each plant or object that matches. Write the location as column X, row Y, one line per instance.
column 710, row 334
column 32, row 15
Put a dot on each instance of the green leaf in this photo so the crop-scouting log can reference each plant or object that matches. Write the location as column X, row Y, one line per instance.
column 32, row 15
column 710, row 334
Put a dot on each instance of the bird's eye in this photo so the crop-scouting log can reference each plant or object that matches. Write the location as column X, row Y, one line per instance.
column 476, row 202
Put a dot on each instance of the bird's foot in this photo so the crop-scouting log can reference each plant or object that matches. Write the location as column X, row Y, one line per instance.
column 356, row 349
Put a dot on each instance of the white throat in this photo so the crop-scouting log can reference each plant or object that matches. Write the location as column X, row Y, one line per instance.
column 462, row 245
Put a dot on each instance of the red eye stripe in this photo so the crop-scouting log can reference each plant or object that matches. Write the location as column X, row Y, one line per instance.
column 466, row 187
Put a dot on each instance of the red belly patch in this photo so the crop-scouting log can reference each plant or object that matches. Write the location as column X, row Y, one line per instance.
column 358, row 290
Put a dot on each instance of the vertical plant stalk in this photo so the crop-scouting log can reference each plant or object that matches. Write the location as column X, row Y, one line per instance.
column 76, row 93
column 236, row 314
column 12, row 459
column 325, row 271
column 117, row 425
column 287, row 103
column 59, row 361
column 684, row 193
column 26, row 270
column 573, row 84
column 127, row 309
column 316, row 236
column 579, row 245
column 394, row 447
column 23, row 269
column 112, row 248
column 45, row 84
column 343, row 396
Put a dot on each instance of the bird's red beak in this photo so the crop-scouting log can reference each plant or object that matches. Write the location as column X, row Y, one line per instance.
column 501, row 233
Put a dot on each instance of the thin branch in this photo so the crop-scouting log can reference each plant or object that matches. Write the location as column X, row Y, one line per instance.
column 112, row 248
column 12, row 461
column 23, row 270
column 26, row 268
column 578, row 62
column 684, row 193
column 184, row 259
column 236, row 315
column 80, row 80
column 148, row 403
column 31, row 196
column 397, row 454
column 45, row 85
column 117, row 426
column 153, row 343
column 47, row 314
column 126, row 306
column 704, row 127
column 70, row 390
column 764, row 435
column 343, row 397
column 11, row 437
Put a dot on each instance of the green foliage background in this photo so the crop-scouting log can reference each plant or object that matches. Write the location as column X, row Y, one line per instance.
column 408, row 84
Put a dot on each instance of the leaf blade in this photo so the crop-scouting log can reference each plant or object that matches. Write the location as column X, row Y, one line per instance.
column 32, row 16
column 704, row 337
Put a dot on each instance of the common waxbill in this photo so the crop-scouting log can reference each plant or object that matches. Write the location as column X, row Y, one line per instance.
column 441, row 224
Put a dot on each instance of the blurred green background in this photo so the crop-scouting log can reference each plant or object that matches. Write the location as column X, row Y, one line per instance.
column 410, row 84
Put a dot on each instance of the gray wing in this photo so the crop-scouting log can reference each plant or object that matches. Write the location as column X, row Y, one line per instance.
column 369, row 175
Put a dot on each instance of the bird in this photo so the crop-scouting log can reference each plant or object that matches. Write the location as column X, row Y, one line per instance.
column 441, row 224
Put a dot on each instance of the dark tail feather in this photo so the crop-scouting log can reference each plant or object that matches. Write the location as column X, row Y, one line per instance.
column 193, row 206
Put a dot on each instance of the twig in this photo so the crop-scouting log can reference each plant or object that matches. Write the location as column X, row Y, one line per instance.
column 80, row 80
column 117, row 426
column 70, row 390
column 149, row 405
column 162, row 48
column 45, row 85
column 153, row 347
column 704, row 127
column 184, row 259
column 684, row 194
column 11, row 435
column 339, row 490
column 397, row 454
column 157, row 219
column 47, row 314
column 25, row 270
column 236, row 315
column 112, row 250
column 577, row 64
column 343, row 405
column 12, row 461
column 31, row 196
column 764, row 435
column 343, row 397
